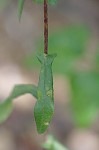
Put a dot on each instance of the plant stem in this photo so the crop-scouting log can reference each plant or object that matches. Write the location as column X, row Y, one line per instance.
column 46, row 26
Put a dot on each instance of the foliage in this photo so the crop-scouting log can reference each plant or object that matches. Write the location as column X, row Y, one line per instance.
column 6, row 106
column 70, row 44
column 20, row 8
column 44, row 107
column 53, row 144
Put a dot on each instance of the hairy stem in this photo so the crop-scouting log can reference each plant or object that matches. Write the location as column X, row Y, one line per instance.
column 46, row 26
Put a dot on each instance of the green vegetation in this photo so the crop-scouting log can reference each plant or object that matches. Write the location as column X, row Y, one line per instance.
column 44, row 107
column 69, row 43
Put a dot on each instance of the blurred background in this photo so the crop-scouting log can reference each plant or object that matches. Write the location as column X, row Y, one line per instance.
column 74, row 36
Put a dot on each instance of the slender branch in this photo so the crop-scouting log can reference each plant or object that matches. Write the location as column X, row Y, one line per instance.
column 46, row 26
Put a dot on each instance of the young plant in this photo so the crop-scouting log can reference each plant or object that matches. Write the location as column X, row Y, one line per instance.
column 43, row 92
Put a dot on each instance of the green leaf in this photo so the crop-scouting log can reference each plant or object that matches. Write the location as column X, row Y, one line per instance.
column 53, row 144
column 6, row 106
column 20, row 8
column 44, row 108
column 85, row 97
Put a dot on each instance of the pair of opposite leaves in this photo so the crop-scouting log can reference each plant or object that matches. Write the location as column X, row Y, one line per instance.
column 44, row 107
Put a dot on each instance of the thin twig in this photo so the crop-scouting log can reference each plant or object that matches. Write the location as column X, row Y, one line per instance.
column 46, row 26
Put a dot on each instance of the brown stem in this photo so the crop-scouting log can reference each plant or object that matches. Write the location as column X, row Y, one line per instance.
column 46, row 26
